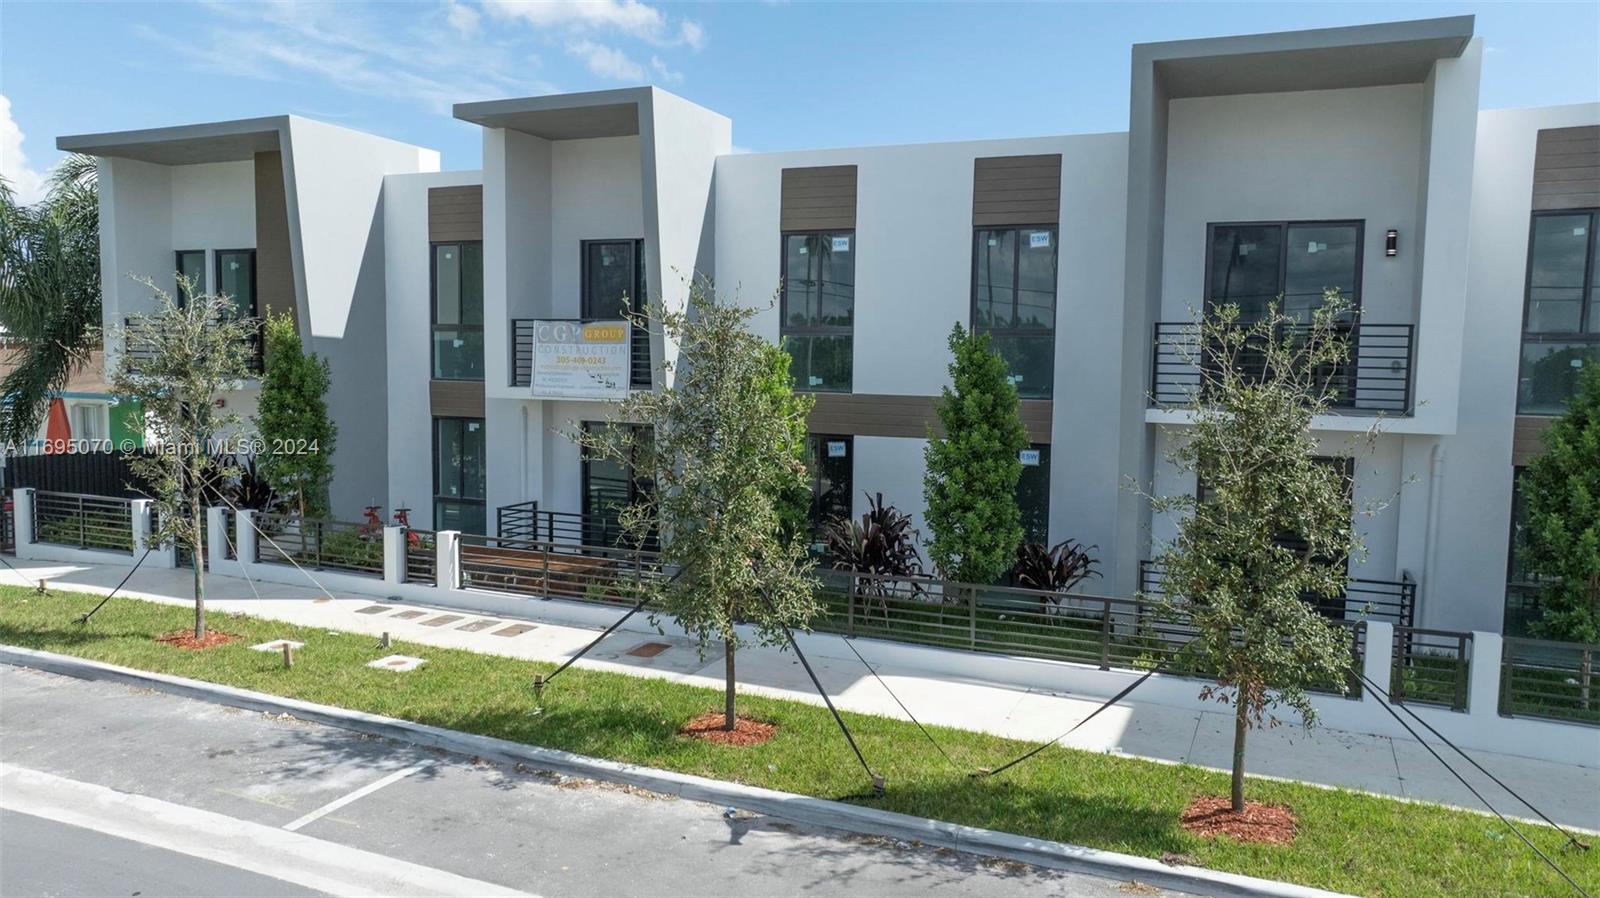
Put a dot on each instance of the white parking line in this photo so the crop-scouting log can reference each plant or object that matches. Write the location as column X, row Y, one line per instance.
column 341, row 801
column 323, row 866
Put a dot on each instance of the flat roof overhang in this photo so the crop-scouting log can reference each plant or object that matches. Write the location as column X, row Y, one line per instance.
column 599, row 113
column 1319, row 59
column 233, row 141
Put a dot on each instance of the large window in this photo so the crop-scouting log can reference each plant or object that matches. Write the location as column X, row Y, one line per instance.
column 236, row 279
column 1033, row 493
column 1014, row 301
column 458, row 311
column 818, row 308
column 190, row 264
column 832, row 479
column 610, row 486
column 613, row 290
column 1253, row 264
column 1561, row 326
column 458, row 475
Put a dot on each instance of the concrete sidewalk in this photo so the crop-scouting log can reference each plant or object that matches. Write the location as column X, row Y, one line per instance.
column 1401, row 768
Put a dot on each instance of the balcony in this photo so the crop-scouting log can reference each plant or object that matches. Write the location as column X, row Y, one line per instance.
column 1376, row 380
column 522, row 354
column 138, row 347
column 1394, row 601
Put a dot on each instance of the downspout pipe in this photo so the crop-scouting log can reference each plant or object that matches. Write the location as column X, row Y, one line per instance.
column 1430, row 541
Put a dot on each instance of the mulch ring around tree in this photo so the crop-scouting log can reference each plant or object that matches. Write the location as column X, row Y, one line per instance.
column 745, row 733
column 1213, row 815
column 184, row 639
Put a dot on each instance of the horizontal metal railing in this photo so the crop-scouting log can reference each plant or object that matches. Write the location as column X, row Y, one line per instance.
column 422, row 557
column 639, row 367
column 1550, row 679
column 320, row 544
column 138, row 348
column 1377, row 377
column 1431, row 667
column 1394, row 601
column 544, row 569
column 527, row 522
column 83, row 521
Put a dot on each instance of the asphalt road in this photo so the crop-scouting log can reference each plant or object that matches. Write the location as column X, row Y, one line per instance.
column 165, row 793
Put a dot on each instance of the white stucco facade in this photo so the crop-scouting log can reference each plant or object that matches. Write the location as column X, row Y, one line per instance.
column 1216, row 136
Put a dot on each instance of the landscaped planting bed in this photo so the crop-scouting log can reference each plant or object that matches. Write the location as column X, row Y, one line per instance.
column 1346, row 841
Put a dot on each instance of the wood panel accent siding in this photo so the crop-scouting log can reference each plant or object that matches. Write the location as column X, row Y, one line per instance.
column 822, row 198
column 456, row 398
column 274, row 262
column 455, row 213
column 1566, row 169
column 1527, row 438
column 1016, row 190
column 878, row 415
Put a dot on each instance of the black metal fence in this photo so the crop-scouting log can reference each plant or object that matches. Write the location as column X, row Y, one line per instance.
column 422, row 557
column 1377, row 377
column 85, row 473
column 1549, row 679
column 83, row 522
column 544, row 569
column 319, row 544
column 527, row 522
column 1431, row 667
column 1394, row 601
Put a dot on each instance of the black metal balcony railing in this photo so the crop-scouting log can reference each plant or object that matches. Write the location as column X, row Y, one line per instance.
column 639, row 366
column 526, row 522
column 138, row 347
column 1394, row 601
column 1377, row 377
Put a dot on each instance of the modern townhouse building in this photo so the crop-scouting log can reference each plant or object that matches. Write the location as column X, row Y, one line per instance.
column 1254, row 167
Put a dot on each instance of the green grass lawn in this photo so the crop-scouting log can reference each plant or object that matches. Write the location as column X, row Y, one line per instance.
column 1347, row 842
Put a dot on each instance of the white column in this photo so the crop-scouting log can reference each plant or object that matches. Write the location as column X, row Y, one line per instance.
column 144, row 527
column 447, row 562
column 22, row 520
column 244, row 536
column 1483, row 675
column 217, row 538
column 394, row 554
column 1377, row 660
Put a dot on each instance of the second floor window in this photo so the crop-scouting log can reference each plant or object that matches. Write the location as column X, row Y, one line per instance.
column 191, row 264
column 818, row 308
column 1014, row 301
column 457, row 311
column 1561, row 325
column 614, row 290
column 236, row 279
column 1252, row 265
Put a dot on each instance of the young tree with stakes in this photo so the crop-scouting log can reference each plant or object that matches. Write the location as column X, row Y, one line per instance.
column 722, row 446
column 1562, row 490
column 1273, row 532
column 293, row 416
column 180, row 360
column 971, row 482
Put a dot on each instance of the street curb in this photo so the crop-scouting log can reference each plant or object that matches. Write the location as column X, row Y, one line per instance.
column 798, row 808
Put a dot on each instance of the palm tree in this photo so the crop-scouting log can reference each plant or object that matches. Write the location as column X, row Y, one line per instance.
column 49, row 291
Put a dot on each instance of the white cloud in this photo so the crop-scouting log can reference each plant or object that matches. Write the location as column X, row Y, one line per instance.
column 607, row 62
column 665, row 72
column 461, row 17
column 434, row 59
column 628, row 17
column 28, row 183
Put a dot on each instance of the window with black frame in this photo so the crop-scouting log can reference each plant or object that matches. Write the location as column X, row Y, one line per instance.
column 830, row 468
column 817, row 308
column 1014, row 301
column 191, row 265
column 458, row 311
column 614, row 290
column 236, row 279
column 1523, row 588
column 609, row 486
column 1033, row 493
column 458, row 475
column 1561, row 323
column 1253, row 264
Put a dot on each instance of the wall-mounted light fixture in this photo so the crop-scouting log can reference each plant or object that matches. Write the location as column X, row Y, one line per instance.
column 1391, row 243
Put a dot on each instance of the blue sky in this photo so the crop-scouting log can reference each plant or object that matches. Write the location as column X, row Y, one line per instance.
column 789, row 74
